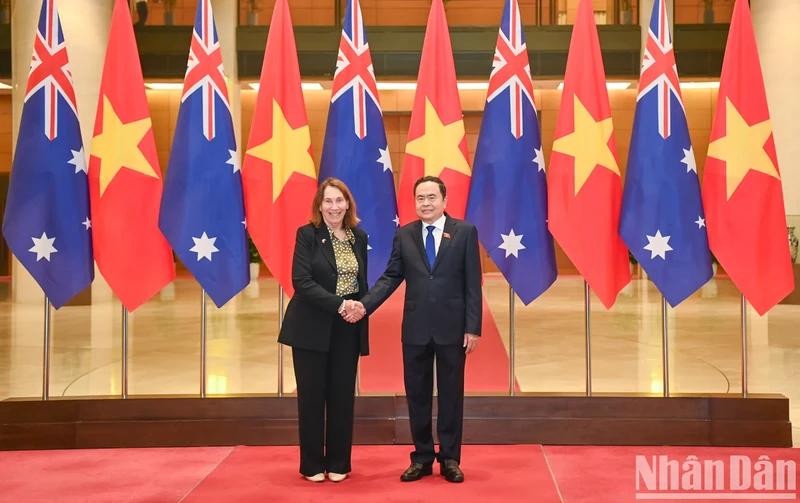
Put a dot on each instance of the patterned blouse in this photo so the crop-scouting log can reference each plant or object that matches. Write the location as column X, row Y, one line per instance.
column 346, row 263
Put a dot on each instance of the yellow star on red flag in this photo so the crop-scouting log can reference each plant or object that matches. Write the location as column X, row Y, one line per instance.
column 287, row 150
column 742, row 192
column 117, row 146
column 440, row 145
column 742, row 148
column 129, row 248
column 587, row 144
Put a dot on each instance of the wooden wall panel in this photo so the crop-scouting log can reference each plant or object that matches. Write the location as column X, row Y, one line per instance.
column 304, row 12
column 5, row 133
column 395, row 12
column 693, row 11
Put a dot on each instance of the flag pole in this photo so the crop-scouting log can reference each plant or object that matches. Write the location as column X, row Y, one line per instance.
column 511, row 340
column 280, row 346
column 202, row 343
column 46, row 352
column 744, row 347
column 124, row 352
column 588, row 323
column 665, row 344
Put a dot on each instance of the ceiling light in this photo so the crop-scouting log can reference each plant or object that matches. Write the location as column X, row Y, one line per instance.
column 611, row 86
column 412, row 86
column 164, row 86
column 699, row 85
column 473, row 86
column 397, row 86
column 306, row 86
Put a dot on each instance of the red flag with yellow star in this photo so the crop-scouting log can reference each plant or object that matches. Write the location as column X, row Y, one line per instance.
column 125, row 177
column 436, row 142
column 278, row 172
column 583, row 183
column 742, row 192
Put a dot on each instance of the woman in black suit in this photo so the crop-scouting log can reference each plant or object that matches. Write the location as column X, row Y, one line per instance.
column 328, row 270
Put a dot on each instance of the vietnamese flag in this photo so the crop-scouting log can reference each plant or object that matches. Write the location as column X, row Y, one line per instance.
column 278, row 172
column 124, row 176
column 436, row 145
column 584, row 187
column 742, row 192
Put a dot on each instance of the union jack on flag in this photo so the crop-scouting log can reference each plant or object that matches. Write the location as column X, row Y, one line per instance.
column 662, row 220
column 659, row 71
column 202, row 209
column 355, row 148
column 511, row 69
column 204, row 69
column 46, row 222
column 50, row 69
column 354, row 69
column 508, row 194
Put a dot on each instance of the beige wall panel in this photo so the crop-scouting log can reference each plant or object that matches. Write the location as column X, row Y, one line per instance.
column 778, row 42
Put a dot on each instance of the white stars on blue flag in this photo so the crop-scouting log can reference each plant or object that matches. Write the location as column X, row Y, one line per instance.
column 43, row 247
column 508, row 193
column 657, row 245
column 662, row 220
column 48, row 194
column 202, row 209
column 204, row 247
column 512, row 243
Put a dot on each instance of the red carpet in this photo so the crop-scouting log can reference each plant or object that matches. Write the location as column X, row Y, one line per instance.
column 105, row 475
column 493, row 473
column 503, row 473
column 382, row 370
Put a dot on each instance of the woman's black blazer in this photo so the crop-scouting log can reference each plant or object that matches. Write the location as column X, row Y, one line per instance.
column 310, row 314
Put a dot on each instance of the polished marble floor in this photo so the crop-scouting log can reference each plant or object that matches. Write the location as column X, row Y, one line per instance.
column 549, row 342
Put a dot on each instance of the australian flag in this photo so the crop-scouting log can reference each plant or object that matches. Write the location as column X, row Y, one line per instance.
column 662, row 219
column 46, row 223
column 202, row 209
column 355, row 148
column 508, row 195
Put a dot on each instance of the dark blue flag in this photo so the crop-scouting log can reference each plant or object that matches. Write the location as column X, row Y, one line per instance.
column 202, row 209
column 662, row 219
column 355, row 148
column 508, row 195
column 46, row 223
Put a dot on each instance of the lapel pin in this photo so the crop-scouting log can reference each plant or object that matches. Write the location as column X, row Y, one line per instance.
column 445, row 235
column 324, row 240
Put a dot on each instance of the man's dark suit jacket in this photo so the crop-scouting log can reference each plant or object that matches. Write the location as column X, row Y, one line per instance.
column 443, row 303
column 314, row 306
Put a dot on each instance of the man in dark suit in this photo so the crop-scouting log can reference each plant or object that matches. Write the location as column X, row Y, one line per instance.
column 438, row 258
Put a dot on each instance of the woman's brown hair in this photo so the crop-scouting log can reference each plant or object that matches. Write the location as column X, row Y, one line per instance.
column 350, row 217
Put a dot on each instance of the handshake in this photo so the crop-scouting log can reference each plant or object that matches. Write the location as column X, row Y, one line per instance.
column 353, row 311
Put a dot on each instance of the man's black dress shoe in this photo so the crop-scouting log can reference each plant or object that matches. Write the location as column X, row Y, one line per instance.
column 416, row 471
column 451, row 471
